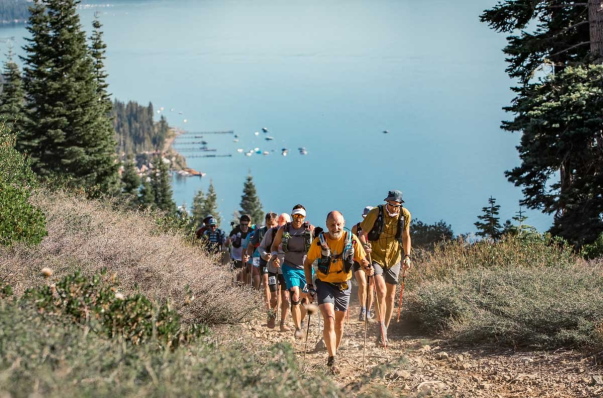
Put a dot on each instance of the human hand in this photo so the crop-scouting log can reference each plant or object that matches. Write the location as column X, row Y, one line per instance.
column 311, row 293
column 406, row 263
column 367, row 248
column 276, row 262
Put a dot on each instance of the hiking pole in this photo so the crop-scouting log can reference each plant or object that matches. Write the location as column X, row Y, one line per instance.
column 401, row 299
column 310, row 309
column 368, row 282
column 381, row 322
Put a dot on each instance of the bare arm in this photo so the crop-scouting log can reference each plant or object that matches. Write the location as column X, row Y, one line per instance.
column 308, row 270
column 277, row 241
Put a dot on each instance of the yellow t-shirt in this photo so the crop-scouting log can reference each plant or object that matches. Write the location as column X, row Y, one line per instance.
column 386, row 251
column 337, row 272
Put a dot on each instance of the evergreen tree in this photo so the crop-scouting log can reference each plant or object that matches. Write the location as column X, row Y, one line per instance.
column 67, row 134
column 558, row 116
column 146, row 199
column 250, row 203
column 98, row 49
column 489, row 226
column 198, row 209
column 426, row 236
column 12, row 99
column 162, row 188
column 211, row 203
column 130, row 178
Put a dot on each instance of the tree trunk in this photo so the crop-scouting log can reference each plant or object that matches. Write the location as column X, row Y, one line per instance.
column 595, row 20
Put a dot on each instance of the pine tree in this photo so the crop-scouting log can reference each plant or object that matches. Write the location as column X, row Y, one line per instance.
column 130, row 178
column 98, row 49
column 67, row 134
column 558, row 116
column 146, row 199
column 489, row 226
column 211, row 203
column 198, row 211
column 12, row 99
column 250, row 203
column 162, row 188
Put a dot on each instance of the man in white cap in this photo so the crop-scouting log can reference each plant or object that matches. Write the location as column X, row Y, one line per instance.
column 294, row 239
column 366, row 287
column 386, row 236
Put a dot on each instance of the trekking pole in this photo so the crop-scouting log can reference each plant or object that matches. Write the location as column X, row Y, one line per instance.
column 368, row 282
column 310, row 309
column 401, row 299
column 381, row 322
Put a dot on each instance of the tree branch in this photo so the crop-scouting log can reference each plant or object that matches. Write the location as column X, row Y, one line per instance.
column 569, row 48
column 568, row 5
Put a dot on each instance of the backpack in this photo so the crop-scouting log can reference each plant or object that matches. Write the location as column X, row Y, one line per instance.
column 326, row 258
column 377, row 229
column 307, row 234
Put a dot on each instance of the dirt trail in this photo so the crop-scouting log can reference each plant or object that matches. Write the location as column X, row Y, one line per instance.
column 416, row 366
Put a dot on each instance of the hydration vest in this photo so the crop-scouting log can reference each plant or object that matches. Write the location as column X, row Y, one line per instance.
column 307, row 235
column 327, row 258
column 377, row 229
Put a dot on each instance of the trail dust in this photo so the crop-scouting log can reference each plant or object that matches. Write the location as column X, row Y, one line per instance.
column 417, row 366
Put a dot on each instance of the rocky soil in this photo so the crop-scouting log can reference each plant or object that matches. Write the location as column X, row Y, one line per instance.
column 418, row 366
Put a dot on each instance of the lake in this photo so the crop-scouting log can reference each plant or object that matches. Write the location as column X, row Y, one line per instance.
column 330, row 76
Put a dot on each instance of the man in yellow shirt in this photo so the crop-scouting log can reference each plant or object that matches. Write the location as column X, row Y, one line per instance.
column 386, row 237
column 336, row 252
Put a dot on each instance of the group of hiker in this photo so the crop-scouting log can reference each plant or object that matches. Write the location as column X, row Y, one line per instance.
column 297, row 264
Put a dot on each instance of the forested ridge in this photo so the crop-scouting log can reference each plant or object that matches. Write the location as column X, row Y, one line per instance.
column 135, row 128
column 14, row 11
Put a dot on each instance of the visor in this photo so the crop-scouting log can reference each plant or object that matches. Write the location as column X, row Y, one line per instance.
column 298, row 211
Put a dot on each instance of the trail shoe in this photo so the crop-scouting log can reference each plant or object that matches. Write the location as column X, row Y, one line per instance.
column 371, row 314
column 299, row 334
column 332, row 367
column 285, row 328
column 271, row 321
column 362, row 315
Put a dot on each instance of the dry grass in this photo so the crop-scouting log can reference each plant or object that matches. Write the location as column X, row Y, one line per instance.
column 91, row 236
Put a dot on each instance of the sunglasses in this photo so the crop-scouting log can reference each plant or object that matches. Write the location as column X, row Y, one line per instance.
column 244, row 224
column 391, row 205
column 298, row 216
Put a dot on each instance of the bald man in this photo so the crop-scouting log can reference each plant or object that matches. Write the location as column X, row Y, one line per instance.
column 336, row 252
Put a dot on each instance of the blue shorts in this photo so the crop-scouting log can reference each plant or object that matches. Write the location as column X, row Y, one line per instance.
column 294, row 277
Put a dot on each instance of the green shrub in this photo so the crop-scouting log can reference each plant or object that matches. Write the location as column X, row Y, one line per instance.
column 43, row 357
column 557, row 306
column 93, row 301
column 594, row 250
column 20, row 221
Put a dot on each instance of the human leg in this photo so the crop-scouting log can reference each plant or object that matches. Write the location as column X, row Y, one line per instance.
column 328, row 332
column 362, row 293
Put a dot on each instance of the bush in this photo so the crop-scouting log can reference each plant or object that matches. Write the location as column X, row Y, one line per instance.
column 20, row 221
column 93, row 302
column 594, row 250
column 542, row 307
column 43, row 357
column 90, row 236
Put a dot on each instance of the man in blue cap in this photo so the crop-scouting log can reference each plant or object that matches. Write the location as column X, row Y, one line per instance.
column 386, row 237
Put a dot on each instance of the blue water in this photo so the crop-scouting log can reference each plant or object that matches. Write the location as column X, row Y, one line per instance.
column 330, row 76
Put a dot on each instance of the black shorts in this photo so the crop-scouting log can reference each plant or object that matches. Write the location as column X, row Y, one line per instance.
column 263, row 266
column 274, row 280
column 356, row 266
column 237, row 264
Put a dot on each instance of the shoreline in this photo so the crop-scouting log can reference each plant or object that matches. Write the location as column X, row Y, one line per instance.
column 178, row 161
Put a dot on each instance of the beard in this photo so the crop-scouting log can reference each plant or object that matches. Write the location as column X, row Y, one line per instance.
column 335, row 235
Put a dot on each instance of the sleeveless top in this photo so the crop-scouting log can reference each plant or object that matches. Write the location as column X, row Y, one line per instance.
column 296, row 253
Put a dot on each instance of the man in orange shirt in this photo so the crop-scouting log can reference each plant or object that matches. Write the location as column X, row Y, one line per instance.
column 336, row 252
